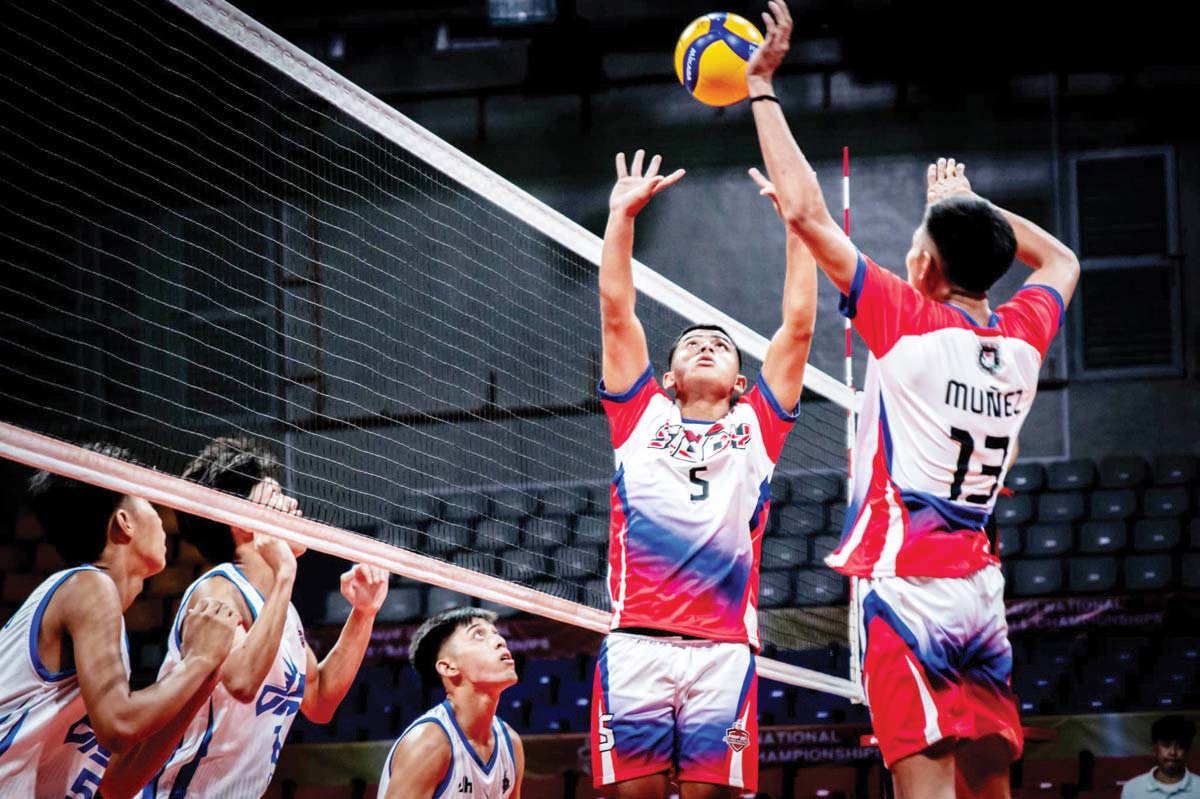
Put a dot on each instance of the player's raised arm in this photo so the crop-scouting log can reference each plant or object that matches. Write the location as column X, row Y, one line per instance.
column 800, row 199
column 787, row 355
column 626, row 355
column 1053, row 263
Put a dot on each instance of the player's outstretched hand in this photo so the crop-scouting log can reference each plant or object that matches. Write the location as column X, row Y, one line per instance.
column 946, row 179
column 766, row 189
column 633, row 189
column 770, row 53
column 208, row 630
column 365, row 587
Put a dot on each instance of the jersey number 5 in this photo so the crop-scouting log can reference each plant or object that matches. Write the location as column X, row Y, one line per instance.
column 966, row 446
column 699, row 482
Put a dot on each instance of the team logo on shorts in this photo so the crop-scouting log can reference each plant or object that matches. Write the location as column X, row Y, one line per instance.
column 737, row 737
column 989, row 358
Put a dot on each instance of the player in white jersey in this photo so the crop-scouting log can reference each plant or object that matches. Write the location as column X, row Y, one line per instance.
column 674, row 694
column 949, row 383
column 233, row 743
column 459, row 748
column 65, row 701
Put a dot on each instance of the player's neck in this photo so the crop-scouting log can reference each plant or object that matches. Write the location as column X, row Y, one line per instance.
column 256, row 570
column 708, row 410
column 474, row 711
column 976, row 306
column 128, row 581
column 1167, row 779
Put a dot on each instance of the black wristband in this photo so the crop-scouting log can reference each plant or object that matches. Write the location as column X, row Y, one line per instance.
column 770, row 97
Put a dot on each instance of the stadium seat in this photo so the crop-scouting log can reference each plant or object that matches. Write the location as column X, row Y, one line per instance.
column 1194, row 533
column 542, row 533
column 493, row 535
column 1113, row 505
column 1102, row 538
column 1190, row 571
column 1165, row 502
column 482, row 562
column 578, row 561
column 1037, row 577
column 542, row 786
column 402, row 604
column 1008, row 540
column 780, row 553
column 820, row 586
column 1060, row 507
column 171, row 581
column 438, row 599
column 1113, row 772
column 1156, row 535
column 774, row 703
column 1049, row 775
column 466, row 506
column 820, row 547
column 1015, row 509
column 1048, row 540
column 816, row 487
column 1074, row 475
column 817, row 707
column 775, row 588
column 1147, row 572
column 1037, row 692
column 443, row 538
column 1122, row 472
column 337, row 609
column 801, row 519
column 521, row 565
column 513, row 503
column 1174, row 470
column 825, row 782
column 1087, row 574
column 412, row 510
column 572, row 500
column 1025, row 477
column 591, row 530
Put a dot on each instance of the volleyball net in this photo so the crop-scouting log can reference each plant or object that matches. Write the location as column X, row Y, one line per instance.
column 207, row 232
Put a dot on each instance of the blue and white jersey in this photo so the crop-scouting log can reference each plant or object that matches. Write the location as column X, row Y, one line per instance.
column 47, row 747
column 230, row 748
column 468, row 776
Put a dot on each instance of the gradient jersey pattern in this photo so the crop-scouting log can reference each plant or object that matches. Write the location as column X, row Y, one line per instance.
column 689, row 503
column 231, row 748
column 468, row 775
column 943, row 404
column 47, row 747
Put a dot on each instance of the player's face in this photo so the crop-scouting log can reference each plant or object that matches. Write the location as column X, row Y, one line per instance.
column 705, row 359
column 481, row 655
column 1171, row 756
column 147, row 537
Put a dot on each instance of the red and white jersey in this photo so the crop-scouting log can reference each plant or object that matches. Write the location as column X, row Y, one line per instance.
column 689, row 503
column 943, row 404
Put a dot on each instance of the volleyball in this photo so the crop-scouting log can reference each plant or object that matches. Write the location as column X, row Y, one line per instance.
column 711, row 56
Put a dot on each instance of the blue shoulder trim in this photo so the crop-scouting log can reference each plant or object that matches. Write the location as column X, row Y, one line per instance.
column 848, row 303
column 628, row 393
column 1062, row 306
column 761, row 382
column 35, row 627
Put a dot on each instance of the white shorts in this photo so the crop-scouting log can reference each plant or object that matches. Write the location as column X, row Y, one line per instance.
column 681, row 706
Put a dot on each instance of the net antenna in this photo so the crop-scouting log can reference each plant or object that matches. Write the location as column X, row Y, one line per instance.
column 262, row 247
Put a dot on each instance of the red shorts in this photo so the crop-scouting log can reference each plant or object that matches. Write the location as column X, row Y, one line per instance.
column 937, row 664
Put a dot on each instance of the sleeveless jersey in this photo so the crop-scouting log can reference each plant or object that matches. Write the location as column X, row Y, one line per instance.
column 230, row 748
column 47, row 747
column 468, row 776
column 689, row 503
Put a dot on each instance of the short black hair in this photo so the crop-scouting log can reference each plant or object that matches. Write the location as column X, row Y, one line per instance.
column 976, row 243
column 686, row 330
column 428, row 639
column 74, row 515
column 235, row 465
column 1175, row 729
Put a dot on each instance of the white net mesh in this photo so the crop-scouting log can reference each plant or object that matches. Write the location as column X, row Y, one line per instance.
column 197, row 243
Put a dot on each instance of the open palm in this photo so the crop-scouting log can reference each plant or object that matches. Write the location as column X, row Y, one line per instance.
column 633, row 189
